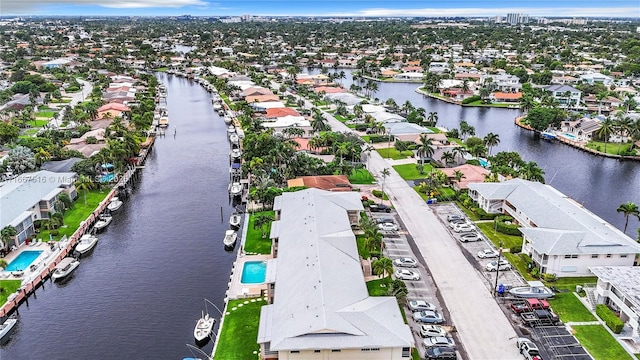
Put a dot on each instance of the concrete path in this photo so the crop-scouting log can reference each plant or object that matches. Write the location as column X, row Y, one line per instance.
column 484, row 330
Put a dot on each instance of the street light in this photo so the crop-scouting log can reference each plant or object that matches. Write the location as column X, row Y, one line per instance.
column 495, row 288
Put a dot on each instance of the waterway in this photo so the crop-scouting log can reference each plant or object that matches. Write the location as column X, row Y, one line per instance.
column 139, row 294
column 600, row 184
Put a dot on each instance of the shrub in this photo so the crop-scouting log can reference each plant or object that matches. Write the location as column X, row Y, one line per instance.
column 612, row 320
column 471, row 99
column 378, row 138
column 549, row 277
column 527, row 260
column 378, row 194
column 362, row 127
column 515, row 249
column 503, row 227
column 483, row 215
column 55, row 232
column 535, row 272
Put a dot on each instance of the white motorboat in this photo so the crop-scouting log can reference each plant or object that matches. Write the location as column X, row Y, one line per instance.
column 535, row 290
column 103, row 221
column 231, row 129
column 234, row 139
column 64, row 268
column 235, row 189
column 203, row 328
column 115, row 204
column 217, row 106
column 87, row 243
column 235, row 154
column 227, row 120
column 230, row 237
column 234, row 220
column 6, row 327
column 163, row 122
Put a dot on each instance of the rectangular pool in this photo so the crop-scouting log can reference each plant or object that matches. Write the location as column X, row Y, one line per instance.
column 24, row 260
column 254, row 272
column 569, row 136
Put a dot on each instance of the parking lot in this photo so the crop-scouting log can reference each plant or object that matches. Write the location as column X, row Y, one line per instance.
column 397, row 246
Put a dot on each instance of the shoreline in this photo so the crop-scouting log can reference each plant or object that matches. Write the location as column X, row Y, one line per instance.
column 576, row 144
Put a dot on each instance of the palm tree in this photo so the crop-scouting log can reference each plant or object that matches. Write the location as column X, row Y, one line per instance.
column 601, row 96
column 84, row 183
column 7, row 234
column 526, row 103
column 368, row 149
column 448, row 158
column 459, row 151
column 627, row 209
column 385, row 172
column 260, row 220
column 433, row 118
column 491, row 140
column 458, row 175
column 532, row 172
column 425, row 149
column 607, row 127
column 383, row 267
column 373, row 239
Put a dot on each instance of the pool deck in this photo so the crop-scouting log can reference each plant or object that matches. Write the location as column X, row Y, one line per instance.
column 237, row 290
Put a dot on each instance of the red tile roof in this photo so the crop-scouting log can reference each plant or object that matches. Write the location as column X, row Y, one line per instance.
column 281, row 112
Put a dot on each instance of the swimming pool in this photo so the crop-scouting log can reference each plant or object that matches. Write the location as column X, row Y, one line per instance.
column 253, row 272
column 23, row 260
column 569, row 136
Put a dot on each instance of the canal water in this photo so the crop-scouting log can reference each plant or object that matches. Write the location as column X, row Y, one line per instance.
column 600, row 184
column 140, row 293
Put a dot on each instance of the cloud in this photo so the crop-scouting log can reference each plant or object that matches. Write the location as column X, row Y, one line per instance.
column 31, row 6
column 475, row 12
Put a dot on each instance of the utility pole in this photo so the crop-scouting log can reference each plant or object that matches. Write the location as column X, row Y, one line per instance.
column 495, row 288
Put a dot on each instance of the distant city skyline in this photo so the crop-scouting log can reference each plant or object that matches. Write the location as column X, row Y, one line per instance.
column 358, row 8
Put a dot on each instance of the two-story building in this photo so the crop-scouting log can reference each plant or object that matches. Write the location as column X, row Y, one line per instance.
column 319, row 304
column 31, row 197
column 567, row 96
column 560, row 235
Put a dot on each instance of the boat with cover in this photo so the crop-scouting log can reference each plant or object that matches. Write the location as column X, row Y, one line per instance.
column 230, row 237
column 535, row 290
column 87, row 243
column 234, row 220
column 6, row 327
column 203, row 328
column 103, row 221
column 114, row 204
column 235, row 189
column 64, row 268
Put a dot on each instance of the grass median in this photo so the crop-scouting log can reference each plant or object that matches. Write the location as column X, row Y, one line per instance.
column 599, row 343
column 254, row 242
column 238, row 338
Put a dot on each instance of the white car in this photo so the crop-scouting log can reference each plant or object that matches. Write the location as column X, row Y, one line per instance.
column 388, row 227
column 420, row 305
column 454, row 223
column 487, row 254
column 438, row 341
column 432, row 331
column 404, row 274
column 493, row 266
column 463, row 228
column 405, row 262
column 472, row 236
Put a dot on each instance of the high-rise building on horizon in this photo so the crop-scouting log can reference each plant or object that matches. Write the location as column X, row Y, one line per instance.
column 515, row 19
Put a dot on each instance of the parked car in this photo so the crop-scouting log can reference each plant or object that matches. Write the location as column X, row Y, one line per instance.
column 441, row 353
column 539, row 318
column 428, row 316
column 529, row 305
column 420, row 305
column 472, row 236
column 452, row 217
column 454, row 223
column 379, row 208
column 524, row 344
column 487, row 254
column 404, row 274
column 388, row 227
column 439, row 341
column 463, row 228
column 432, row 330
column 385, row 221
column 405, row 262
column 493, row 266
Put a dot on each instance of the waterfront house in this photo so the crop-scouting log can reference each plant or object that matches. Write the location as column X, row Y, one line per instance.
column 560, row 235
column 322, row 182
column 505, row 97
column 112, row 110
column 470, row 174
column 502, row 82
column 618, row 287
column 582, row 129
column 319, row 306
column 31, row 197
column 594, row 77
column 409, row 76
column 567, row 96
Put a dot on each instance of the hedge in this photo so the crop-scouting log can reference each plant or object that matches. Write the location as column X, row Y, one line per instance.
column 483, row 215
column 378, row 138
column 471, row 99
column 613, row 322
column 509, row 229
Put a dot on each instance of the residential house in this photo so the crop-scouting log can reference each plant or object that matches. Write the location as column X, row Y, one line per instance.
column 470, row 174
column 319, row 303
column 592, row 78
column 438, row 67
column 560, row 235
column 567, row 96
column 502, row 82
column 322, row 182
column 618, row 287
column 505, row 97
column 112, row 110
column 582, row 129
column 31, row 197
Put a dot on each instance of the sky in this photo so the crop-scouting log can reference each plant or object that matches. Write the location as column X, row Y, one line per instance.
column 395, row 8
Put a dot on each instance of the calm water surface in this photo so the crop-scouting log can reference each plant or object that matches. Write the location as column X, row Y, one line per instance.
column 139, row 294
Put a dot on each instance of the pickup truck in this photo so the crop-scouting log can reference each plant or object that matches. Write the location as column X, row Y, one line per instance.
column 528, row 349
column 379, row 208
column 529, row 305
column 539, row 318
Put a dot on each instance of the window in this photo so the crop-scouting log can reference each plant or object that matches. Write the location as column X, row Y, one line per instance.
column 316, row 351
column 594, row 256
column 335, row 350
column 295, row 351
column 406, row 352
column 370, row 349
column 623, row 255
column 608, row 256
column 571, row 256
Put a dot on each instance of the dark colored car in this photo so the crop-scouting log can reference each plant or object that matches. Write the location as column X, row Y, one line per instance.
column 438, row 352
column 379, row 208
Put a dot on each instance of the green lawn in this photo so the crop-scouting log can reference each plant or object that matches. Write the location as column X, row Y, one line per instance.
column 376, row 289
column 612, row 148
column 39, row 123
column 225, row 98
column 508, row 241
column 78, row 213
column 366, row 138
column 361, row 176
column 479, row 103
column 45, row 113
column 569, row 308
column 239, row 333
column 29, row 132
column 519, row 264
column 254, row 242
column 8, row 287
column 394, row 154
column 599, row 343
column 468, row 212
column 160, row 69
column 362, row 250
column 343, row 118
column 409, row 171
column 569, row 283
column 434, row 129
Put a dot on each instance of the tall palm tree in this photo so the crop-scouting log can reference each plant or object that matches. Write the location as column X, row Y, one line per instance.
column 607, row 127
column 491, row 140
column 532, row 172
column 458, row 175
column 7, row 234
column 459, row 151
column 628, row 209
column 448, row 157
column 433, row 118
column 425, row 148
column 84, row 183
column 385, row 173
column 383, row 267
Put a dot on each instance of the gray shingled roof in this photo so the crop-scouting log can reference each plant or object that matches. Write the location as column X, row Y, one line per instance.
column 625, row 279
column 563, row 226
column 321, row 300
